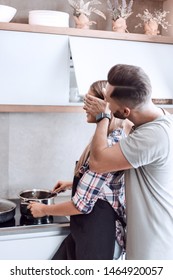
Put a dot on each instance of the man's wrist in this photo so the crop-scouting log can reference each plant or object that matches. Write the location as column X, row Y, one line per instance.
column 102, row 116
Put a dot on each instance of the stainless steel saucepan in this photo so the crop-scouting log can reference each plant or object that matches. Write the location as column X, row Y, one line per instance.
column 7, row 210
column 37, row 195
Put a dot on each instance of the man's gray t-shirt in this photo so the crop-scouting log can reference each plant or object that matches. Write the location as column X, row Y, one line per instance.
column 149, row 190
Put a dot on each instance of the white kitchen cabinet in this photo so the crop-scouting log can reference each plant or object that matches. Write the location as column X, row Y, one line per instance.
column 35, row 64
column 93, row 57
column 32, row 243
column 34, row 68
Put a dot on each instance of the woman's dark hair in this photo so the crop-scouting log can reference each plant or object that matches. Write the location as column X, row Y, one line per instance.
column 132, row 85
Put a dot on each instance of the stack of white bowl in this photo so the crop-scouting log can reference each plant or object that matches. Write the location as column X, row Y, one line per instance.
column 49, row 18
column 7, row 13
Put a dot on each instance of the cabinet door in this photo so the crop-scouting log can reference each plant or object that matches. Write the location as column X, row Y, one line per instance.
column 34, row 68
column 93, row 58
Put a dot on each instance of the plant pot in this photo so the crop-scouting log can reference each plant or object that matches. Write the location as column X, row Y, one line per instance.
column 119, row 25
column 82, row 22
column 151, row 27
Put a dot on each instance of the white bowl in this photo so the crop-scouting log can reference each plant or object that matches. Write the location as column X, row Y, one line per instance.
column 49, row 18
column 7, row 13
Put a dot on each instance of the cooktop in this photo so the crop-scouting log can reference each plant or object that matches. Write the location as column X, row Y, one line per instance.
column 20, row 220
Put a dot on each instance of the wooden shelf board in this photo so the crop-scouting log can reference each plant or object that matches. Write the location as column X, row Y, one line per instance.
column 102, row 34
column 40, row 108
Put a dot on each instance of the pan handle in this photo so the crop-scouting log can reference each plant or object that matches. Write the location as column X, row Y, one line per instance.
column 24, row 203
column 27, row 201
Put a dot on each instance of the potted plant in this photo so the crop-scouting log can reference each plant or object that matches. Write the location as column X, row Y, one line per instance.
column 82, row 12
column 119, row 14
column 151, row 21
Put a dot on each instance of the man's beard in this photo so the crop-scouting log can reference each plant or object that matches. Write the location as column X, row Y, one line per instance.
column 119, row 115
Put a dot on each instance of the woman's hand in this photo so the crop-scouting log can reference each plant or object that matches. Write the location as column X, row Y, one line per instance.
column 37, row 209
column 62, row 186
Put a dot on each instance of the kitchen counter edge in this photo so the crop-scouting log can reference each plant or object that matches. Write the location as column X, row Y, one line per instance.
column 26, row 231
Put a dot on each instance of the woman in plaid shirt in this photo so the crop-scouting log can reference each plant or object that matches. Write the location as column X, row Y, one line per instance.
column 97, row 206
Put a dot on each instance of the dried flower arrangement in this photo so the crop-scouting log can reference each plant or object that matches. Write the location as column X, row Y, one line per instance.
column 80, row 7
column 122, row 10
column 158, row 16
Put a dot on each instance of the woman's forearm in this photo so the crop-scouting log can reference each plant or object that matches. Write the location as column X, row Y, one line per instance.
column 60, row 209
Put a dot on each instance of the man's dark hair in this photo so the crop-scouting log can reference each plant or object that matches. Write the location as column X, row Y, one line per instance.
column 132, row 85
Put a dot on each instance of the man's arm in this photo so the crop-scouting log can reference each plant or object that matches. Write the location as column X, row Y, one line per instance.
column 103, row 158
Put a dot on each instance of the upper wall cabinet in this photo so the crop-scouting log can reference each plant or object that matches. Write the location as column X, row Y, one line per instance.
column 93, row 59
column 34, row 68
column 35, row 63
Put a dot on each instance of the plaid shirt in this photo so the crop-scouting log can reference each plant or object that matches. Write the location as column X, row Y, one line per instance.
column 106, row 186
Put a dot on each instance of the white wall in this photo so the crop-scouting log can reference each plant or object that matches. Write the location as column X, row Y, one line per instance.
column 37, row 149
column 168, row 6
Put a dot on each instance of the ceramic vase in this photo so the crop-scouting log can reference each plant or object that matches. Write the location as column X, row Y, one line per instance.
column 151, row 27
column 82, row 21
column 119, row 25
